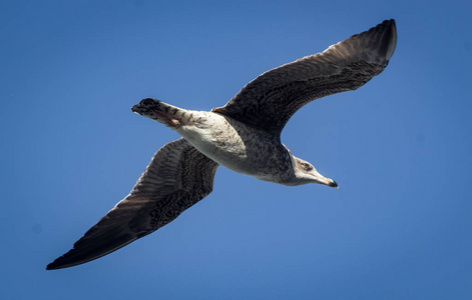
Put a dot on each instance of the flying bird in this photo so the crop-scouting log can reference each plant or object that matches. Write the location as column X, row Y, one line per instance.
column 243, row 136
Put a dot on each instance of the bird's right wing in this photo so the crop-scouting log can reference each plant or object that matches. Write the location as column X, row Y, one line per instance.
column 177, row 177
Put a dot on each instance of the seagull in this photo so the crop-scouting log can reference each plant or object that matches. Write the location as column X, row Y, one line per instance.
column 243, row 136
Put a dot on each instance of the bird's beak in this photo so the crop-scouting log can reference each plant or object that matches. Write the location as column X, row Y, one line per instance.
column 333, row 184
column 327, row 181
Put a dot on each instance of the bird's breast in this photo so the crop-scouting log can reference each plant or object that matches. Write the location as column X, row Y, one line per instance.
column 238, row 147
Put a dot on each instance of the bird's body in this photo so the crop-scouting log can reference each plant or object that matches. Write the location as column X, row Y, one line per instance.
column 230, row 143
column 243, row 136
column 233, row 145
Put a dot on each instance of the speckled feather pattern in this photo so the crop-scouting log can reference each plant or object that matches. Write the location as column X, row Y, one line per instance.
column 177, row 177
column 243, row 135
column 268, row 102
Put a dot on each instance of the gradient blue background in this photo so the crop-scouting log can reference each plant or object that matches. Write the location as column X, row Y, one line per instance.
column 399, row 226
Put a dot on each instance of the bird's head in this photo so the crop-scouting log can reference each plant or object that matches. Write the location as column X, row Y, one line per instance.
column 306, row 173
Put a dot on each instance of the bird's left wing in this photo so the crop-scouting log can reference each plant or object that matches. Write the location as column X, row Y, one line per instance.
column 177, row 177
column 268, row 102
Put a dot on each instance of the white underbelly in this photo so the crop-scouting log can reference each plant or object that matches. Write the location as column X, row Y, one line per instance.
column 221, row 142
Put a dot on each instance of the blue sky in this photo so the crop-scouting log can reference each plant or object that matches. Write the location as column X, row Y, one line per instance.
column 399, row 226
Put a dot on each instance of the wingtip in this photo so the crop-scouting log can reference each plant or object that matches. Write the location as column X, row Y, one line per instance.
column 56, row 264
column 50, row 267
column 62, row 263
column 53, row 266
column 67, row 260
column 391, row 40
column 385, row 34
column 382, row 38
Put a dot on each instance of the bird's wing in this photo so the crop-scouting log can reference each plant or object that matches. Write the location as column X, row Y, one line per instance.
column 177, row 177
column 268, row 102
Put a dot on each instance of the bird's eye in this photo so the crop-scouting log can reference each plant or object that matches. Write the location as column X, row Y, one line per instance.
column 307, row 167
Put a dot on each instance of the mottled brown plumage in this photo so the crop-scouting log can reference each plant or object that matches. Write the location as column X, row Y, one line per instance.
column 270, row 100
column 177, row 177
column 243, row 135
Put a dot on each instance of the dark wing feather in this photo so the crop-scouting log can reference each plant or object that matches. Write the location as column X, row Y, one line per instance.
column 268, row 102
column 177, row 177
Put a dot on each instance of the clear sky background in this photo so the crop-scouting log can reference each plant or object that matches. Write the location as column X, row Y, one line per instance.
column 399, row 226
